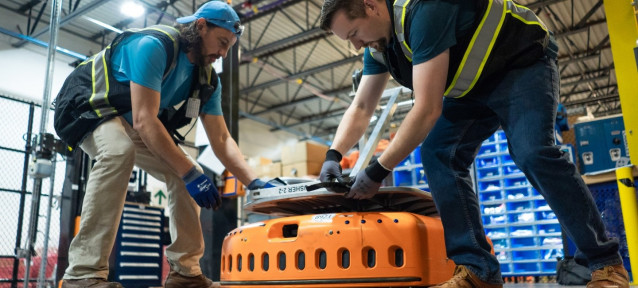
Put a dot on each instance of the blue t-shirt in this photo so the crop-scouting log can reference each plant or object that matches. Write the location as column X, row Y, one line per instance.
column 434, row 27
column 128, row 65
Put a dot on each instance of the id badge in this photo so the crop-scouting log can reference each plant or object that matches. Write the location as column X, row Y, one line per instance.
column 192, row 110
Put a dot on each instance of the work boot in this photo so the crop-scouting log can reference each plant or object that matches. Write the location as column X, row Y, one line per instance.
column 464, row 278
column 176, row 280
column 609, row 277
column 89, row 283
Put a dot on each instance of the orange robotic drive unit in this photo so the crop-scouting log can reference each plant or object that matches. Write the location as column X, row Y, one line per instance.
column 343, row 249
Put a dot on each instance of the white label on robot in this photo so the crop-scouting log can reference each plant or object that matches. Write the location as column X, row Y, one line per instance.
column 322, row 218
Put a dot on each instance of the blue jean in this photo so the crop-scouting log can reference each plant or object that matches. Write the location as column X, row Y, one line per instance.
column 524, row 105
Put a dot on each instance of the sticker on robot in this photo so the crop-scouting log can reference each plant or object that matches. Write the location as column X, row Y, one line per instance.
column 322, row 218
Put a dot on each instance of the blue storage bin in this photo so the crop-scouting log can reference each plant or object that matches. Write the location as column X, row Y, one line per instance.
column 500, row 244
column 517, row 193
column 506, row 160
column 420, row 176
column 551, row 254
column 490, row 196
column 405, row 162
column 506, row 268
column 519, row 206
column 522, row 217
column 486, row 161
column 521, row 231
column 526, row 267
column 541, row 204
column 487, row 149
column 535, row 192
column 515, row 182
column 545, row 215
column 525, row 255
column 503, row 148
column 500, row 136
column 403, row 178
column 491, row 172
column 549, row 267
column 496, row 233
column 511, row 170
column 493, row 185
column 549, row 229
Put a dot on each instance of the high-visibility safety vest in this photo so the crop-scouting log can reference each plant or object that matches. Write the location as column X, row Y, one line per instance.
column 506, row 35
column 92, row 95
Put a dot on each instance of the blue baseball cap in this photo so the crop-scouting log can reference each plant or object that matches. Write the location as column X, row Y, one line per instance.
column 218, row 13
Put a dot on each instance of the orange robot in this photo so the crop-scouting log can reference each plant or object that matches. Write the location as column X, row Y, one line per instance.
column 325, row 240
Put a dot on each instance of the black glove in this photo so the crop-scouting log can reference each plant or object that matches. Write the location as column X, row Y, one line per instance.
column 202, row 189
column 368, row 181
column 259, row 184
column 331, row 169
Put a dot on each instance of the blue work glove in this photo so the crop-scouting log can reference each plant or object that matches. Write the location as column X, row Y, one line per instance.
column 259, row 184
column 202, row 189
column 368, row 181
column 331, row 169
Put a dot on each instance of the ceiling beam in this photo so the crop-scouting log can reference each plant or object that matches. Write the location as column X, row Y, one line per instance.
column 75, row 14
column 301, row 74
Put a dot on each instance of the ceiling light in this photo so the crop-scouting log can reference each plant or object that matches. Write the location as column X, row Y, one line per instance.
column 132, row 9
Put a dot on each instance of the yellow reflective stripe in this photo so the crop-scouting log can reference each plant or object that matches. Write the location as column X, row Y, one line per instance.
column 529, row 18
column 99, row 99
column 93, row 84
column 462, row 82
column 404, row 43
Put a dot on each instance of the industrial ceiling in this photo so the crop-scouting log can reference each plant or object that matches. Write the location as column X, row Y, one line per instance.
column 296, row 77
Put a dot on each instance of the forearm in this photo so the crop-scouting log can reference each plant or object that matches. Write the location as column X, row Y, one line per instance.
column 413, row 130
column 353, row 124
column 357, row 117
column 229, row 154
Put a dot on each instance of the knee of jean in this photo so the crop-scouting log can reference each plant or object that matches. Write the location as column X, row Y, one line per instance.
column 533, row 158
column 432, row 154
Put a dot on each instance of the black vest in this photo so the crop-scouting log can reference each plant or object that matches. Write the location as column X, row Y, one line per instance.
column 90, row 95
column 517, row 45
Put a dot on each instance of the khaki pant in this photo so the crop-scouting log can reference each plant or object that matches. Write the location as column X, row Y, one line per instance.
column 116, row 148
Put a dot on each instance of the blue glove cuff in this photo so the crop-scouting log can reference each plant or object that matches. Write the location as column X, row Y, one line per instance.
column 191, row 175
column 376, row 172
column 333, row 155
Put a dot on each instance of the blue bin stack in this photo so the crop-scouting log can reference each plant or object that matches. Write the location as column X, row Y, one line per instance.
column 526, row 235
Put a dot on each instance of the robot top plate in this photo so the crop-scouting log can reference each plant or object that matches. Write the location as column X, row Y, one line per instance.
column 295, row 199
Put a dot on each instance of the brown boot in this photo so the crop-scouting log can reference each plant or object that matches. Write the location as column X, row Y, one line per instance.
column 609, row 277
column 89, row 283
column 176, row 280
column 464, row 278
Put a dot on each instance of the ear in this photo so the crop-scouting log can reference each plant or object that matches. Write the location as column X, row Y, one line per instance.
column 201, row 23
column 372, row 5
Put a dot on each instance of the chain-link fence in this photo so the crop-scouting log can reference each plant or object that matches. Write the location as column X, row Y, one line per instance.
column 19, row 124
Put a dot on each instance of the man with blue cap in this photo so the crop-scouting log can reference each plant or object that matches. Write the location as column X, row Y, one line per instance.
column 122, row 107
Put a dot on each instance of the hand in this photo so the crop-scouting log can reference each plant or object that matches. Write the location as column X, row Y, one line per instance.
column 202, row 189
column 259, row 184
column 331, row 169
column 367, row 182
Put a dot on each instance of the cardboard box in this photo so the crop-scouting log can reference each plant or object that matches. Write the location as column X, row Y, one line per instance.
column 306, row 151
column 301, row 169
column 271, row 170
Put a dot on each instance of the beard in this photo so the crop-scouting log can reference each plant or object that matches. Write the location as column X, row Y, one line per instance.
column 381, row 44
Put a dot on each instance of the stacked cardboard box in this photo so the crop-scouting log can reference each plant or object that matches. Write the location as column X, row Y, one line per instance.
column 264, row 167
column 303, row 159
